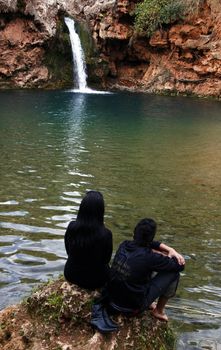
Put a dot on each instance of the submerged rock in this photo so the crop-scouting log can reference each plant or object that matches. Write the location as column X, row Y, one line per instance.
column 57, row 317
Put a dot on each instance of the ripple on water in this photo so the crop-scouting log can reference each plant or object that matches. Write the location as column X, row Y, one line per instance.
column 19, row 268
column 10, row 238
column 51, row 249
column 9, row 244
column 210, row 289
column 73, row 193
column 64, row 224
column 65, row 217
column 46, row 248
column 8, row 250
column 11, row 202
column 17, row 287
column 48, row 269
column 75, row 173
column 14, row 213
column 30, row 229
column 71, row 199
column 203, row 339
column 8, row 277
column 26, row 259
column 72, row 196
column 75, row 185
column 201, row 311
column 213, row 267
column 62, row 208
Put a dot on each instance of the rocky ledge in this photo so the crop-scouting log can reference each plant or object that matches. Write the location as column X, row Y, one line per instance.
column 57, row 317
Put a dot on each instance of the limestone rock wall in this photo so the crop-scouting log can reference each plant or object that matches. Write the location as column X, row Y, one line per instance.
column 30, row 30
column 34, row 44
column 8, row 5
column 180, row 58
column 21, row 54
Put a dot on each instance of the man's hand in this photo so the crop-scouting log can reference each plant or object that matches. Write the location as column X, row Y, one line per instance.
column 172, row 253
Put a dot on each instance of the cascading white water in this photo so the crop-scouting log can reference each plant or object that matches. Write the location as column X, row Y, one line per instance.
column 78, row 56
column 80, row 76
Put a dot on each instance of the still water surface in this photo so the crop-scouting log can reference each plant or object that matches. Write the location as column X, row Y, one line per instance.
column 149, row 155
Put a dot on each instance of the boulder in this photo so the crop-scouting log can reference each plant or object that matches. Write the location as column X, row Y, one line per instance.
column 57, row 316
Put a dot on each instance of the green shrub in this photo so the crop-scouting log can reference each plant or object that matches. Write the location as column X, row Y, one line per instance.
column 152, row 14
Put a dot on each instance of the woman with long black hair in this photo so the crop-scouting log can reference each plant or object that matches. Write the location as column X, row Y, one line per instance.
column 88, row 244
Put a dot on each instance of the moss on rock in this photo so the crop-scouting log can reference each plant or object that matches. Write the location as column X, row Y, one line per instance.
column 58, row 58
column 86, row 40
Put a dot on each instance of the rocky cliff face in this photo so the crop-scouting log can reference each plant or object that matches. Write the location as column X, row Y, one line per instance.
column 33, row 44
column 181, row 58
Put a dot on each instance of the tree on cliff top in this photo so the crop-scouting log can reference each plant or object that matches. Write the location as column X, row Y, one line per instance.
column 152, row 14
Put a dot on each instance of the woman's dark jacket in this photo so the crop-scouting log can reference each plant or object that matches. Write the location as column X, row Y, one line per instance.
column 131, row 272
column 88, row 266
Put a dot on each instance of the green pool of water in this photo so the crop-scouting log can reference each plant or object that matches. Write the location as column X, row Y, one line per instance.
column 149, row 155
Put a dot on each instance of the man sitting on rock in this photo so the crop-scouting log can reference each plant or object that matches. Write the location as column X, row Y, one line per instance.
column 144, row 270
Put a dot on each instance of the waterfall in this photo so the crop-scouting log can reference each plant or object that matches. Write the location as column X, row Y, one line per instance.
column 78, row 56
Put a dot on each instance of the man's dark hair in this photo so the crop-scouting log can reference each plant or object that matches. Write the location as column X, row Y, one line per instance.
column 144, row 232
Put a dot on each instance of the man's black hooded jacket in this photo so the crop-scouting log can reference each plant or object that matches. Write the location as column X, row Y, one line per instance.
column 131, row 272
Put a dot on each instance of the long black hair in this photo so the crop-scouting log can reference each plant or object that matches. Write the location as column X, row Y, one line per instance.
column 90, row 219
